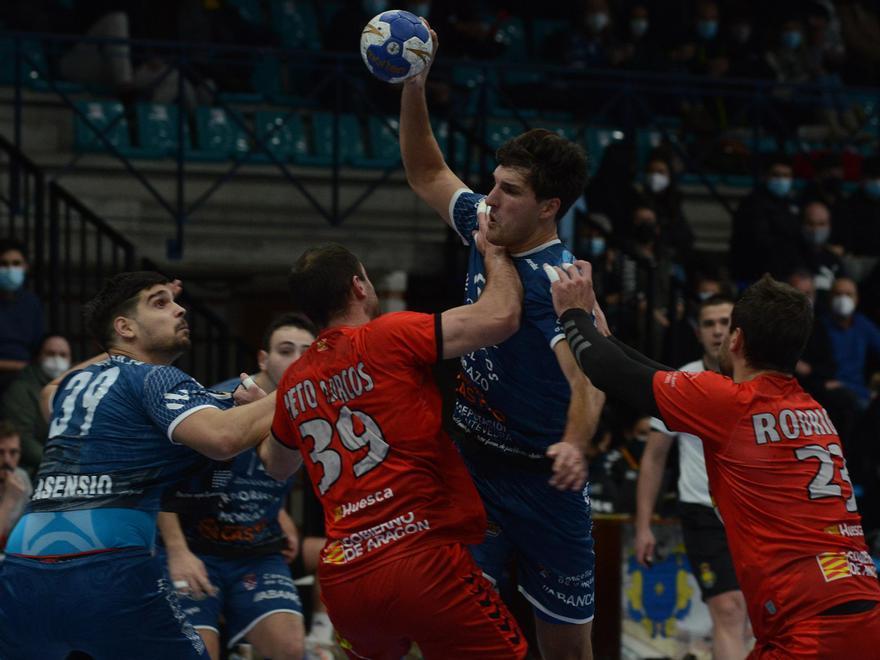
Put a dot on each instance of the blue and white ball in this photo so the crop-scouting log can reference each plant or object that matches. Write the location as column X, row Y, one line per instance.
column 396, row 45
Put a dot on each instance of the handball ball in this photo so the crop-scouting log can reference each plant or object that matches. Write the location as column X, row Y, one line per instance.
column 396, row 45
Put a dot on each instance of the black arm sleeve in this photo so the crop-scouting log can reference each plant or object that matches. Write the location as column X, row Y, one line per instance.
column 633, row 354
column 607, row 366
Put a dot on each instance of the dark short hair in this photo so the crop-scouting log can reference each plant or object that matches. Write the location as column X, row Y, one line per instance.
column 288, row 320
column 10, row 243
column 555, row 166
column 8, row 429
column 320, row 281
column 776, row 320
column 712, row 301
column 118, row 297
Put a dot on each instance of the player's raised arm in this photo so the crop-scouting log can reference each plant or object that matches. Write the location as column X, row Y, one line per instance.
column 495, row 316
column 427, row 173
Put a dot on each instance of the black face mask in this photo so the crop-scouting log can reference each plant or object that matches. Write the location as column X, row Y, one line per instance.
column 645, row 233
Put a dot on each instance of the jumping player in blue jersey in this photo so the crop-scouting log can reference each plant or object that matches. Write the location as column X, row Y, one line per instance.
column 227, row 538
column 79, row 573
column 526, row 412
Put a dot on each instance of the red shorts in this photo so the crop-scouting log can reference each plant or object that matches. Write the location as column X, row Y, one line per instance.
column 437, row 598
column 841, row 636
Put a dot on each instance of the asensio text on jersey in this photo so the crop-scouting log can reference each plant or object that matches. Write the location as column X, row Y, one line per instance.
column 513, row 397
column 109, row 456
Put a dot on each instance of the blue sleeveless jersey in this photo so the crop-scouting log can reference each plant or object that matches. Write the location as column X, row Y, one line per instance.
column 109, row 456
column 232, row 509
column 513, row 396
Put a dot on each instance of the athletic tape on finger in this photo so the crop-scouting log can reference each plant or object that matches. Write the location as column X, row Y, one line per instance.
column 248, row 383
column 180, row 584
column 552, row 275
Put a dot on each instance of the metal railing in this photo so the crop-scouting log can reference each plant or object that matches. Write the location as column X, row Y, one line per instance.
column 72, row 251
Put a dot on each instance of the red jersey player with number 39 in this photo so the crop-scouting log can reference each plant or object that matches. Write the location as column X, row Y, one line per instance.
column 776, row 468
column 362, row 410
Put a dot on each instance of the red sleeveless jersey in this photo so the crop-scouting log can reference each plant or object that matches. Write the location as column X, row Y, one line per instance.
column 363, row 408
column 778, row 477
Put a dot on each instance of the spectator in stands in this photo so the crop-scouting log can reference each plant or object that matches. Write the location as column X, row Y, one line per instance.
column 702, row 51
column 660, row 192
column 857, row 227
column 853, row 337
column 15, row 486
column 827, row 183
column 860, row 29
column 766, row 219
column 21, row 314
column 639, row 49
column 812, row 252
column 20, row 404
column 744, row 53
column 594, row 243
column 591, row 44
column 817, row 370
column 648, row 274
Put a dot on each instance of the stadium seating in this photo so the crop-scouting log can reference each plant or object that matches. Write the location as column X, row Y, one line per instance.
column 219, row 136
column 283, row 134
column 108, row 117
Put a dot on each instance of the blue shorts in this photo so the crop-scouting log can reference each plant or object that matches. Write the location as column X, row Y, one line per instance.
column 248, row 590
column 110, row 605
column 549, row 534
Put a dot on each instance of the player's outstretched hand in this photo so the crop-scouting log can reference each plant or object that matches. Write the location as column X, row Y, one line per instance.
column 644, row 546
column 248, row 391
column 572, row 286
column 422, row 77
column 569, row 466
column 189, row 577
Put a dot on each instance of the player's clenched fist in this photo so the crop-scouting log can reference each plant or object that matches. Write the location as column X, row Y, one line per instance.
column 573, row 287
column 569, row 466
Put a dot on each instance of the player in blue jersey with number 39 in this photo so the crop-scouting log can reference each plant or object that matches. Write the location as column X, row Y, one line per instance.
column 526, row 412
column 79, row 573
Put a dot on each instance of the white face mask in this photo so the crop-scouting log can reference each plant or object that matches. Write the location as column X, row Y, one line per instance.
column 843, row 306
column 657, row 181
column 55, row 365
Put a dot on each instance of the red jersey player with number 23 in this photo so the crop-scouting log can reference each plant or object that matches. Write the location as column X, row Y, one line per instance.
column 775, row 463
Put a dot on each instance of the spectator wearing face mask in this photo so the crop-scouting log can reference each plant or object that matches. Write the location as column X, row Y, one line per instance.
column 813, row 253
column 859, row 233
column 21, row 314
column 853, row 338
column 702, row 50
column 639, row 49
column 591, row 44
column 661, row 193
column 20, row 404
column 767, row 218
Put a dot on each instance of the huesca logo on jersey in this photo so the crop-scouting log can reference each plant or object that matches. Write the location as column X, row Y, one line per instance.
column 348, row 508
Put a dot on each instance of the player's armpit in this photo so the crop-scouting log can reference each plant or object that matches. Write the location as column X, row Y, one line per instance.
column 279, row 460
column 223, row 434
